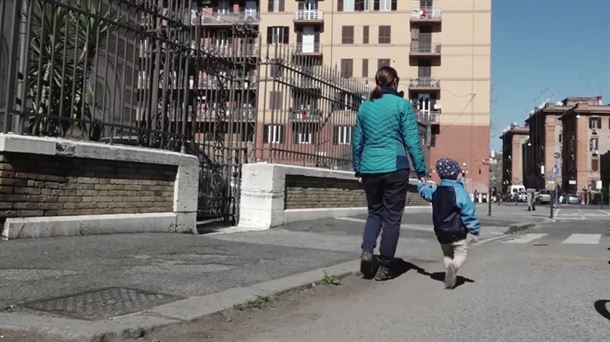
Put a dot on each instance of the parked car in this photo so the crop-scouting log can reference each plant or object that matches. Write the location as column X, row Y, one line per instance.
column 545, row 197
column 573, row 199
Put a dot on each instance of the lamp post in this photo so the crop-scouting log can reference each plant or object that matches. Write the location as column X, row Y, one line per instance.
column 491, row 162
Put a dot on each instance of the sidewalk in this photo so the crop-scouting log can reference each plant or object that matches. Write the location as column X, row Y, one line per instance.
column 86, row 288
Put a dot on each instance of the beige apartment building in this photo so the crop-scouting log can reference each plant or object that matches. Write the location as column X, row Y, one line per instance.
column 512, row 156
column 441, row 49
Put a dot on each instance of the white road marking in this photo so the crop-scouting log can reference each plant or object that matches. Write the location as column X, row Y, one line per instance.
column 604, row 212
column 526, row 238
column 583, row 239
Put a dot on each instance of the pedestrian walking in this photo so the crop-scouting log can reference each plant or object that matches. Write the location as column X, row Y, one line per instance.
column 453, row 216
column 386, row 132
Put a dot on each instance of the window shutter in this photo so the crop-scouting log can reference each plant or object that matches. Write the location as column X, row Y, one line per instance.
column 365, row 67
column 281, row 5
column 340, row 6
column 336, row 135
column 376, row 5
column 285, row 29
column 365, row 34
column 266, row 133
column 270, row 8
column 299, row 37
column 394, row 5
column 269, row 35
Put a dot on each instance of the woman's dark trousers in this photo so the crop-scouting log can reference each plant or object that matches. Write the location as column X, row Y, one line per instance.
column 386, row 196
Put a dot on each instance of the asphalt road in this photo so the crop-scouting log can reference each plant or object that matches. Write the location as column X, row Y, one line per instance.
column 548, row 284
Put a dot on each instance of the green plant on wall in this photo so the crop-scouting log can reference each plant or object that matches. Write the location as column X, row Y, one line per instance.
column 63, row 49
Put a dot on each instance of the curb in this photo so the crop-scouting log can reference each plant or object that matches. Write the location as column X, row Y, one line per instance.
column 517, row 227
column 136, row 325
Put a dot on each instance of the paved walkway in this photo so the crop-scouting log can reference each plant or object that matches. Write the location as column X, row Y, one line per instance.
column 78, row 287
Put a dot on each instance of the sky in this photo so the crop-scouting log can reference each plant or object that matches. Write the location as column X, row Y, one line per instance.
column 546, row 49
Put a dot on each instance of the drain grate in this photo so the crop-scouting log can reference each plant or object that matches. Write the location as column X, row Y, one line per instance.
column 102, row 303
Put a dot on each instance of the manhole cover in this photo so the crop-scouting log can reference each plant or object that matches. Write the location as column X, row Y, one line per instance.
column 102, row 303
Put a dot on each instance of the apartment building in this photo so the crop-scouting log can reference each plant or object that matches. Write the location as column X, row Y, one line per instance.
column 545, row 137
column 441, row 49
column 513, row 140
column 586, row 138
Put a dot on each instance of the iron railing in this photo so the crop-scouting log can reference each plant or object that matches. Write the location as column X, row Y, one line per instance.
column 307, row 111
column 424, row 82
column 308, row 15
column 426, row 13
column 308, row 48
column 224, row 17
column 425, row 48
column 133, row 72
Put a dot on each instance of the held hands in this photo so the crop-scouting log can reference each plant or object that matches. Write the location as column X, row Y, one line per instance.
column 474, row 239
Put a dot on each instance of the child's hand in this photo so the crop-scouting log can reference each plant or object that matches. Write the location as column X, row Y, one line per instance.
column 475, row 238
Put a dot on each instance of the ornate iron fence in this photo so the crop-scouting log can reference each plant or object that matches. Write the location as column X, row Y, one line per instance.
column 161, row 74
column 306, row 110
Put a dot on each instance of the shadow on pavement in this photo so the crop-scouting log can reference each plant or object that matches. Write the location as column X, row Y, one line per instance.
column 401, row 267
column 601, row 306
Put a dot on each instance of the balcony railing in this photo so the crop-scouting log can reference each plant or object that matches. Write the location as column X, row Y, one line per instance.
column 425, row 48
column 308, row 48
column 427, row 117
column 308, row 15
column 426, row 14
column 306, row 115
column 224, row 17
column 425, row 83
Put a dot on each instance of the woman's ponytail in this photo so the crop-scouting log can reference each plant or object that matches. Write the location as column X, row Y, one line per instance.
column 383, row 78
column 376, row 93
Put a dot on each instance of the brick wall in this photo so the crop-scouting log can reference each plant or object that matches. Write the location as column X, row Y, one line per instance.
column 314, row 192
column 34, row 185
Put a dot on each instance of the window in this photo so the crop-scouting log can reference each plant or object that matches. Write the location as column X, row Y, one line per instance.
column 383, row 62
column 594, row 144
column 365, row 34
column 361, row 5
column 342, row 135
column 277, row 34
column 594, row 165
column 560, row 137
column 276, row 6
column 347, row 35
column 385, row 34
column 365, row 67
column 348, row 5
column 595, row 123
column 275, row 100
column 303, row 134
column 347, row 68
column 276, row 68
column 385, row 5
column 274, row 134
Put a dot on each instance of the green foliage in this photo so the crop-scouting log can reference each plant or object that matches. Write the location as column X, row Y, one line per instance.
column 330, row 279
column 260, row 302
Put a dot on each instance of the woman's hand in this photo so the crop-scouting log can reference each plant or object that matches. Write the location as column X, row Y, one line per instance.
column 359, row 179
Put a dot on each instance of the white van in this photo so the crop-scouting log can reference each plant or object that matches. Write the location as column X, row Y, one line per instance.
column 517, row 192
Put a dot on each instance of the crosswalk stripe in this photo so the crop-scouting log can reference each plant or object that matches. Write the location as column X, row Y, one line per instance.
column 583, row 239
column 526, row 238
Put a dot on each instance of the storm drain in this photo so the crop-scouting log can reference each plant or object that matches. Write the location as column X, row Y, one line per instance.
column 102, row 303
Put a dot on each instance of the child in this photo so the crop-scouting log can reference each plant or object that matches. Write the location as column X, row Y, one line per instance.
column 453, row 216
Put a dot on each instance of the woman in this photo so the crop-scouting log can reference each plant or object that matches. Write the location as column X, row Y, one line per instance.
column 386, row 129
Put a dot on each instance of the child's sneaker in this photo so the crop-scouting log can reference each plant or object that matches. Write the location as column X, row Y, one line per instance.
column 450, row 276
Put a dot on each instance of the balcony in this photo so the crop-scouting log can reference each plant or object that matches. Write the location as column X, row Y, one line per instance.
column 424, row 84
column 425, row 50
column 426, row 15
column 224, row 18
column 428, row 117
column 308, row 49
column 306, row 115
column 308, row 17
